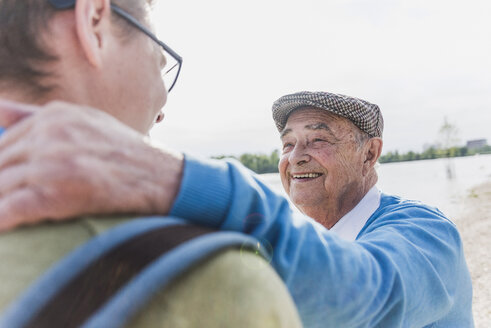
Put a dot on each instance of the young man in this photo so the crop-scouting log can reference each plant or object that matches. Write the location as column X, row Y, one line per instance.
column 101, row 54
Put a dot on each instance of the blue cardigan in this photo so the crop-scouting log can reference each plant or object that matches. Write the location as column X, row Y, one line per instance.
column 405, row 269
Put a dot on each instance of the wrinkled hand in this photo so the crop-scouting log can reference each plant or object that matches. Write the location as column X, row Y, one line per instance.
column 63, row 160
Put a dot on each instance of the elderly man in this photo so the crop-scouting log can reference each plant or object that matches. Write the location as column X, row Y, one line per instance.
column 374, row 260
column 330, row 146
column 93, row 53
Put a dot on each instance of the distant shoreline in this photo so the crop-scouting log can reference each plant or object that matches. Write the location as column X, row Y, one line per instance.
column 264, row 164
column 395, row 157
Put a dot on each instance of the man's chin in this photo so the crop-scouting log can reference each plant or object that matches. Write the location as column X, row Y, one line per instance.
column 300, row 201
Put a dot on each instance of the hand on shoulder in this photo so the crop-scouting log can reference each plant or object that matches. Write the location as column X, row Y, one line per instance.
column 63, row 160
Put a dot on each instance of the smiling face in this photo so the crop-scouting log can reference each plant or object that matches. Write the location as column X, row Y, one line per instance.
column 322, row 166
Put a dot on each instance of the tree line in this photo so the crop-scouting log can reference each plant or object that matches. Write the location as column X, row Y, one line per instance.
column 432, row 153
column 448, row 135
column 259, row 163
column 262, row 163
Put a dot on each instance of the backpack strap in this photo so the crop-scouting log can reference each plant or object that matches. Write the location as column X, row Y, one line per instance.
column 110, row 278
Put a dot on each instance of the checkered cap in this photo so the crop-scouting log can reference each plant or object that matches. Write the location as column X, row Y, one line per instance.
column 363, row 114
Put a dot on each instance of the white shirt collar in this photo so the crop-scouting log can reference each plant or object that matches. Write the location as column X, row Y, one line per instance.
column 350, row 225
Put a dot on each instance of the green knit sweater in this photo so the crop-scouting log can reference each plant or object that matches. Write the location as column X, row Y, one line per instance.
column 231, row 289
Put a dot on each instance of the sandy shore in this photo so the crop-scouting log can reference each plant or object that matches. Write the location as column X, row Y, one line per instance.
column 474, row 223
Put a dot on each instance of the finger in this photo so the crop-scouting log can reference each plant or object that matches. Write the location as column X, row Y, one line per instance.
column 16, row 133
column 14, row 153
column 20, row 207
column 17, row 176
column 13, row 112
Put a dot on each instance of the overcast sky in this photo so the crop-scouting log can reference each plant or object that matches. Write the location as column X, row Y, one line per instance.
column 419, row 60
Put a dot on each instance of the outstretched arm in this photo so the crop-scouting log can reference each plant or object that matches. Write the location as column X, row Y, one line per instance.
column 405, row 269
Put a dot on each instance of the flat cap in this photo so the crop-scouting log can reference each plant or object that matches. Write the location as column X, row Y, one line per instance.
column 366, row 116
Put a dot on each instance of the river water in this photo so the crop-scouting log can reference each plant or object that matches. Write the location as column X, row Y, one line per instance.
column 439, row 182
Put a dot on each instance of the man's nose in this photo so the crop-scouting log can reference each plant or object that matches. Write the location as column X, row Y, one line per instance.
column 299, row 155
column 162, row 57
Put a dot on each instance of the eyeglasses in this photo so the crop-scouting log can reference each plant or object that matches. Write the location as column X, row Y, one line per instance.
column 172, row 69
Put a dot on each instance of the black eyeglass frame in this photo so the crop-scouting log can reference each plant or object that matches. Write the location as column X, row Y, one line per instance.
column 66, row 4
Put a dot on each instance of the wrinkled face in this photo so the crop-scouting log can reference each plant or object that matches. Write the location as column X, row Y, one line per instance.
column 136, row 84
column 321, row 164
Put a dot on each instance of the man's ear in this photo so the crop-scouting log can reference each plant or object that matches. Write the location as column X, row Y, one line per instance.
column 372, row 151
column 93, row 19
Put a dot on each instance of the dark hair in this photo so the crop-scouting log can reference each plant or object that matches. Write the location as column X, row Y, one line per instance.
column 23, row 52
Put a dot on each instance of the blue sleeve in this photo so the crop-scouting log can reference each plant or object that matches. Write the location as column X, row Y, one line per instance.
column 400, row 273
